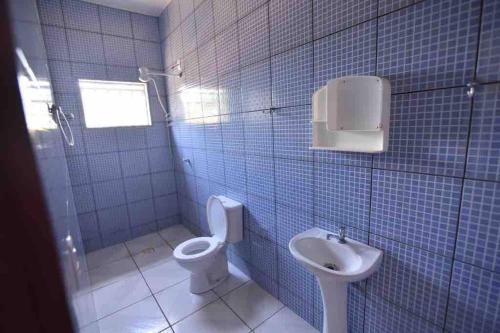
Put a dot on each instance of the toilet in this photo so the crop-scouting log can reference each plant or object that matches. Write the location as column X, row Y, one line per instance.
column 205, row 257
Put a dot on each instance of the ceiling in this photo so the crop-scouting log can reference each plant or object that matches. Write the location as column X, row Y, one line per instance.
column 147, row 7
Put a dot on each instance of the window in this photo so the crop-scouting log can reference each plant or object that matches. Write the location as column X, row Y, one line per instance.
column 114, row 104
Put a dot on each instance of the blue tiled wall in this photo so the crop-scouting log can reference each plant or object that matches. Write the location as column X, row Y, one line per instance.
column 432, row 202
column 123, row 179
column 46, row 139
column 47, row 145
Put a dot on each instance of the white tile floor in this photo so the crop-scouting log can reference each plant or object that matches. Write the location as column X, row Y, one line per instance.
column 138, row 287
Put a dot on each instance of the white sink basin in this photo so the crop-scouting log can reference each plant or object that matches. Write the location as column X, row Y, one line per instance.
column 354, row 261
column 334, row 264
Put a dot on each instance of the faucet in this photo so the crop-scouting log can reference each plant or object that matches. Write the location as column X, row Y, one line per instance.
column 340, row 235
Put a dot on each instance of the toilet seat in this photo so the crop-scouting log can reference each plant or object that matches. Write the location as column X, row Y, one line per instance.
column 203, row 247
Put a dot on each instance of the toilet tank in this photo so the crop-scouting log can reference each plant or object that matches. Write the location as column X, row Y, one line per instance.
column 234, row 214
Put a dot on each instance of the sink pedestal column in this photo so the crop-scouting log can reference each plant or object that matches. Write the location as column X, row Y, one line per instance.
column 334, row 296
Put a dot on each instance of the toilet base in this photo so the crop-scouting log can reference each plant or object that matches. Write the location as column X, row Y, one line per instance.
column 205, row 280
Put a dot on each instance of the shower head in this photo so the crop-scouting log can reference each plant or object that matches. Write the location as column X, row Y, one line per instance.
column 144, row 75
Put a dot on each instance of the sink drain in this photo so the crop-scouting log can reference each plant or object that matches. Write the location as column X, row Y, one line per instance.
column 148, row 250
column 331, row 266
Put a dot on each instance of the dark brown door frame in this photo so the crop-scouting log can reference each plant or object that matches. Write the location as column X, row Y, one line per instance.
column 32, row 294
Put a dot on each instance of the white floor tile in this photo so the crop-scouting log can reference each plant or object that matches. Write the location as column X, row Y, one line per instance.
column 118, row 295
column 176, row 234
column 235, row 279
column 112, row 272
column 141, row 317
column 285, row 321
column 214, row 318
column 92, row 328
column 145, row 242
column 177, row 302
column 83, row 307
column 106, row 255
column 252, row 303
column 153, row 256
column 165, row 275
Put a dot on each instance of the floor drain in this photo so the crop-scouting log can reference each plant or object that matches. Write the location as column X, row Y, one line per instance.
column 331, row 266
column 148, row 250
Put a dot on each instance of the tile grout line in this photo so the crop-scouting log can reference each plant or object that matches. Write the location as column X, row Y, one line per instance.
column 48, row 24
column 315, row 166
column 171, row 326
column 237, row 315
column 122, row 181
column 368, row 281
column 234, row 312
column 150, row 290
column 115, row 312
column 275, row 313
column 84, row 145
column 106, row 65
column 217, row 298
column 129, row 256
column 313, row 40
column 371, row 176
column 169, row 124
column 150, row 172
column 290, row 106
column 467, row 143
column 405, row 309
column 271, row 116
column 310, row 104
column 413, row 246
column 268, row 1
column 204, row 306
column 371, row 185
column 145, row 281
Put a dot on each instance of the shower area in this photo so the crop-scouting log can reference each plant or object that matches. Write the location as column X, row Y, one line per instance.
column 107, row 178
column 121, row 165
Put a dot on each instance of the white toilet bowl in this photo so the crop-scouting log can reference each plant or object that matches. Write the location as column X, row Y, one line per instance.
column 205, row 257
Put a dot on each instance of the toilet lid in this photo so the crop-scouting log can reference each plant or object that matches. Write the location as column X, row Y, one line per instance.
column 217, row 219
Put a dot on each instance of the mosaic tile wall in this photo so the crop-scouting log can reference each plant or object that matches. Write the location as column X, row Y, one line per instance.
column 47, row 145
column 122, row 178
column 432, row 202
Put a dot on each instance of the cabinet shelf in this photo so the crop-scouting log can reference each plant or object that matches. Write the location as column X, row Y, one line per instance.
column 352, row 114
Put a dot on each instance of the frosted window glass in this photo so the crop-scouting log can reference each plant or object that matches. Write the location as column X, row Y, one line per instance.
column 114, row 104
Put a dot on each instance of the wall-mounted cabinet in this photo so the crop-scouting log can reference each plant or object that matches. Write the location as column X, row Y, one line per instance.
column 352, row 114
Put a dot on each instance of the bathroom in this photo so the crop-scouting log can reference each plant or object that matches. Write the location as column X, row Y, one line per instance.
column 166, row 166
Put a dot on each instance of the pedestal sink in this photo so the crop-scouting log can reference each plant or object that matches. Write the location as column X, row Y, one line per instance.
column 334, row 264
